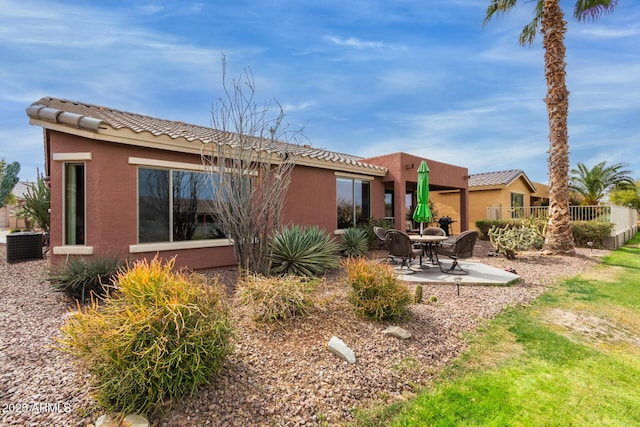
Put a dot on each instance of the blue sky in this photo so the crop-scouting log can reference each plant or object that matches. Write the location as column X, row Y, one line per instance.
column 364, row 77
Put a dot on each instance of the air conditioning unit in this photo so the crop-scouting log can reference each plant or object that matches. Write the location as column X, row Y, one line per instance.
column 24, row 246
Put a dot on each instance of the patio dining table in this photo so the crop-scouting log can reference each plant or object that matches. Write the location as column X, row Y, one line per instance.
column 427, row 241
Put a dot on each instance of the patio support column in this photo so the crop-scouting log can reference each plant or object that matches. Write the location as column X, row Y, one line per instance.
column 399, row 210
column 464, row 209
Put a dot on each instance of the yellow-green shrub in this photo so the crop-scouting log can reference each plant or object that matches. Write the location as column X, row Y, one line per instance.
column 375, row 291
column 161, row 335
column 276, row 298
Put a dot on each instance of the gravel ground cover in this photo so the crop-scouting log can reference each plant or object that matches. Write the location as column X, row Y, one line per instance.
column 278, row 374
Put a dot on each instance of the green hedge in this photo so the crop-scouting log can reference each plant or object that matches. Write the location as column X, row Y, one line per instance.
column 591, row 231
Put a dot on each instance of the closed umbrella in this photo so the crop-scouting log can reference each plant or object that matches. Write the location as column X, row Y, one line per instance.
column 422, row 213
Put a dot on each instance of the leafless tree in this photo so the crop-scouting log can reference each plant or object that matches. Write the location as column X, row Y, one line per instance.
column 250, row 169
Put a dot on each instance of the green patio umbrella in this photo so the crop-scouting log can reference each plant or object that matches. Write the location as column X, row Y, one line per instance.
column 422, row 213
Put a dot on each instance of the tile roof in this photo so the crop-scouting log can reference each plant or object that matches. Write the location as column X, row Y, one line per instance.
column 495, row 178
column 89, row 117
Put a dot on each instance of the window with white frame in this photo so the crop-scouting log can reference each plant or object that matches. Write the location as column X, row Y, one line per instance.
column 176, row 205
column 74, row 204
column 352, row 201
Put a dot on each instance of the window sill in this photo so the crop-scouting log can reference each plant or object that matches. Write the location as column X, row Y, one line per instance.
column 73, row 250
column 173, row 246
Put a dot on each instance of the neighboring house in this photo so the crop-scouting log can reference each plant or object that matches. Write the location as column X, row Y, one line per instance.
column 8, row 217
column 109, row 172
column 494, row 195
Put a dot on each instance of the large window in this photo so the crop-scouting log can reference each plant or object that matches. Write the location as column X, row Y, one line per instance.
column 353, row 201
column 517, row 203
column 175, row 206
column 74, row 204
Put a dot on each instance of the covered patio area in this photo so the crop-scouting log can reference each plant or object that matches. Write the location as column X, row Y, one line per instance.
column 400, row 185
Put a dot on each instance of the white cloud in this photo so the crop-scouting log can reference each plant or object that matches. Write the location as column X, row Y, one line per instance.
column 355, row 43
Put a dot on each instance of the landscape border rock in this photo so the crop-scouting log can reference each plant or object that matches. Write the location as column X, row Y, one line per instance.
column 340, row 349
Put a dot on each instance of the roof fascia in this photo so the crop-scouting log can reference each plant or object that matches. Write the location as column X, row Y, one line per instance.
column 182, row 145
column 526, row 181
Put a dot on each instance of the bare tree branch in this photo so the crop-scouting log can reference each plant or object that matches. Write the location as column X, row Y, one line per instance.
column 250, row 169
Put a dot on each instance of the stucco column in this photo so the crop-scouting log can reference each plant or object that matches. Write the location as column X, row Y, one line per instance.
column 464, row 209
column 399, row 210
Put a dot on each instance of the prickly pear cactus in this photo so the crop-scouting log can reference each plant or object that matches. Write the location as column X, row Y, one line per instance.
column 509, row 240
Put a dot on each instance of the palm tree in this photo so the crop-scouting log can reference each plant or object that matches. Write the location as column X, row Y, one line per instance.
column 626, row 196
column 593, row 184
column 550, row 19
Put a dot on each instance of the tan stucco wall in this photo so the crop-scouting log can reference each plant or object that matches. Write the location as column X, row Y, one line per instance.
column 480, row 198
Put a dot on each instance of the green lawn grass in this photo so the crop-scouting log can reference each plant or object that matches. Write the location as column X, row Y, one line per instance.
column 570, row 359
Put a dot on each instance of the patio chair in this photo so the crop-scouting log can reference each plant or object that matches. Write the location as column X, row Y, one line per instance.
column 380, row 232
column 434, row 231
column 399, row 245
column 462, row 248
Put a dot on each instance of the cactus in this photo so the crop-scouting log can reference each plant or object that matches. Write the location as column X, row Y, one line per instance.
column 508, row 241
column 417, row 298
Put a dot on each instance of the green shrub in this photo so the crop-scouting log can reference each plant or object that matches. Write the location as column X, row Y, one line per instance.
column 372, row 239
column 276, row 298
column 590, row 231
column 354, row 242
column 305, row 251
column 161, row 335
column 375, row 291
column 82, row 278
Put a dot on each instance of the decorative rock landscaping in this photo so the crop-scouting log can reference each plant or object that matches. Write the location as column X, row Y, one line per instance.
column 277, row 374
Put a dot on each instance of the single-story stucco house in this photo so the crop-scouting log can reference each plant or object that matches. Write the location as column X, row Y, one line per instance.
column 494, row 195
column 101, row 162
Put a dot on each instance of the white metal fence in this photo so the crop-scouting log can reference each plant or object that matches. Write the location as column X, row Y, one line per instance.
column 623, row 218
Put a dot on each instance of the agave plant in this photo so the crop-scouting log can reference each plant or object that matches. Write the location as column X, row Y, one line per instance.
column 354, row 242
column 305, row 251
column 81, row 278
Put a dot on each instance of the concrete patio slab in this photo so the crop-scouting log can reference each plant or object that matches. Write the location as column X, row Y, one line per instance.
column 478, row 274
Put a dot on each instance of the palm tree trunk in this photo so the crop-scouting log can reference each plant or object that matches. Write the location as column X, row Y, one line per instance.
column 559, row 238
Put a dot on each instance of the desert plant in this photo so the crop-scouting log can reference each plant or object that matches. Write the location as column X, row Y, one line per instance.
column 82, row 278
column 37, row 203
column 306, row 251
column 276, row 298
column 508, row 241
column 161, row 335
column 375, row 291
column 484, row 225
column 417, row 297
column 538, row 224
column 250, row 169
column 354, row 242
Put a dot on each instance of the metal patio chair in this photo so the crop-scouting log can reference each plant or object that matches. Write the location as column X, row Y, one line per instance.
column 400, row 246
column 462, row 248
